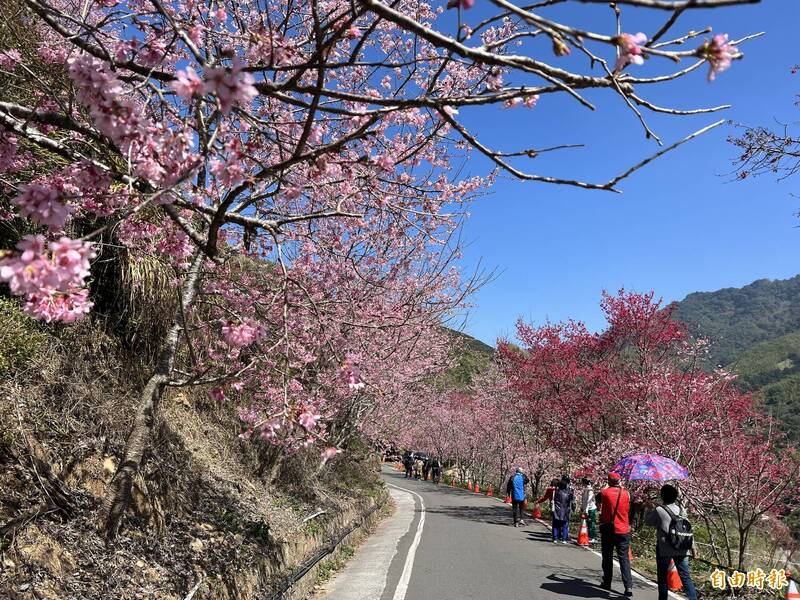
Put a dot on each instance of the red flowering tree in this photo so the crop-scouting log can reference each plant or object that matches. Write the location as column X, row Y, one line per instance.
column 637, row 386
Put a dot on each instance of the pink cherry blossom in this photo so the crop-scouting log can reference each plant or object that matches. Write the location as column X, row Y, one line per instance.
column 385, row 162
column 64, row 307
column 719, row 53
column 630, row 51
column 9, row 57
column 308, row 420
column 232, row 86
column 229, row 173
column 188, row 84
column 494, row 81
column 43, row 204
column 241, row 335
column 466, row 4
column 350, row 373
column 10, row 161
column 531, row 101
column 50, row 277
column 217, row 393
column 329, row 453
column 71, row 258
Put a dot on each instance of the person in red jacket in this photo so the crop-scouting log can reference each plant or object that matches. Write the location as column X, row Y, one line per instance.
column 615, row 532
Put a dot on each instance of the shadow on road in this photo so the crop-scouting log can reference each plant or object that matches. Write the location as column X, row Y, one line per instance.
column 494, row 515
column 540, row 536
column 574, row 586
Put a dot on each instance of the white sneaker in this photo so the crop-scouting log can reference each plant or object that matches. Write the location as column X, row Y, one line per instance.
column 522, row 523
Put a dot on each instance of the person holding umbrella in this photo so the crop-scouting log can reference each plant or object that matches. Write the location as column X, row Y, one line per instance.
column 615, row 532
column 652, row 467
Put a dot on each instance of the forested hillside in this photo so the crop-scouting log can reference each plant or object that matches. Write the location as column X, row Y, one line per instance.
column 470, row 356
column 736, row 319
column 754, row 331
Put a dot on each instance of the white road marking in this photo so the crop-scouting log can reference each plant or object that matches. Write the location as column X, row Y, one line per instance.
column 364, row 577
column 402, row 585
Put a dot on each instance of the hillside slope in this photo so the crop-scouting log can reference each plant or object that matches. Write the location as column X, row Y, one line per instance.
column 754, row 331
column 471, row 356
column 209, row 509
column 772, row 370
column 736, row 319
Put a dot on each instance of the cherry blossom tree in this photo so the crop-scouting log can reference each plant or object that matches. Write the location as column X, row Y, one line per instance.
column 291, row 164
column 637, row 386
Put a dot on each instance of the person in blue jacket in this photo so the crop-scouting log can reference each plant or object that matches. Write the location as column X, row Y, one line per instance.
column 516, row 489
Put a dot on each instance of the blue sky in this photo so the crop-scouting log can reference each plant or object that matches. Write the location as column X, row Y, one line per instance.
column 681, row 225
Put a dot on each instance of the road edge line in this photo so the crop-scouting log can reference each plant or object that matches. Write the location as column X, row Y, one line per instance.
column 405, row 577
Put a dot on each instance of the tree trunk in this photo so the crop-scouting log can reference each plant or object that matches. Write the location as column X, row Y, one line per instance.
column 118, row 497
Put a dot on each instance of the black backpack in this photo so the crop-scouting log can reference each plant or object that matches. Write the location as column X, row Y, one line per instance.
column 679, row 535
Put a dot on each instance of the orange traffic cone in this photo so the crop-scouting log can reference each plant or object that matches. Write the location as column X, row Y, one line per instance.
column 536, row 513
column 525, row 504
column 630, row 554
column 792, row 593
column 469, row 485
column 673, row 579
column 507, row 500
column 583, row 536
column 477, row 489
column 490, row 491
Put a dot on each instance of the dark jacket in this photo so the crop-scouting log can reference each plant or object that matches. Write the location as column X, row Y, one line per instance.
column 562, row 504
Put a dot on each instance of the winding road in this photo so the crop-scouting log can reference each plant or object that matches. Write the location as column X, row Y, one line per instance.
column 449, row 544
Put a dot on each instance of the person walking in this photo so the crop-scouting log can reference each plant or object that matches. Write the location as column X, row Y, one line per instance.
column 674, row 541
column 563, row 500
column 436, row 469
column 426, row 468
column 408, row 463
column 589, row 509
column 615, row 504
column 516, row 489
column 418, row 464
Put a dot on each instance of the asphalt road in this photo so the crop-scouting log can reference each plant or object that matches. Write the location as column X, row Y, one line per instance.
column 449, row 544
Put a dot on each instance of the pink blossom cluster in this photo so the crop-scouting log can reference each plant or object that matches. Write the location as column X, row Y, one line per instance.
column 10, row 161
column 229, row 173
column 50, row 276
column 159, row 154
column 350, row 373
column 242, row 334
column 329, row 453
column 9, row 57
column 43, row 204
column 630, row 50
column 188, row 84
column 719, row 53
column 308, row 419
column 232, row 86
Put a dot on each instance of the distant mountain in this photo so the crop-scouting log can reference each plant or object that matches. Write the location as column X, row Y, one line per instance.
column 754, row 331
column 736, row 319
column 471, row 356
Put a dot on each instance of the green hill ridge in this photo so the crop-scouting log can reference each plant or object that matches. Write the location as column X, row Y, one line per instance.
column 754, row 331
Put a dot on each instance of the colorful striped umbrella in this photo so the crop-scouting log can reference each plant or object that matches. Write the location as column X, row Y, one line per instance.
column 650, row 467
